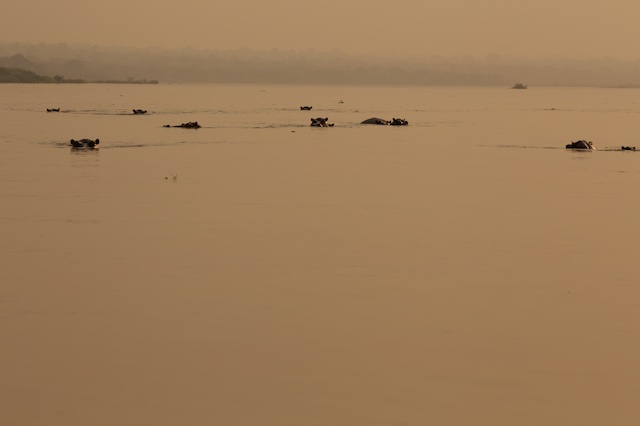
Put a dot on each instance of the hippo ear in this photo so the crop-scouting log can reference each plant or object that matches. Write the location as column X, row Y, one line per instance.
column 97, row 141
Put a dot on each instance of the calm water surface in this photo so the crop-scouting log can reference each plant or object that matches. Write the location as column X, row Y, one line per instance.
column 463, row 270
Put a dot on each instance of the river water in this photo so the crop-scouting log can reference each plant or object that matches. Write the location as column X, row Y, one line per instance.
column 466, row 269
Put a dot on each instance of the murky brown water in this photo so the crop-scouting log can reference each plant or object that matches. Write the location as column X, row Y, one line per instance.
column 463, row 270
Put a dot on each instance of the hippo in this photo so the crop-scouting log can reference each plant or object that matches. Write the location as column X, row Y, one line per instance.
column 306, row 108
column 53, row 109
column 139, row 111
column 320, row 122
column 627, row 148
column 189, row 125
column 85, row 143
column 581, row 144
column 399, row 122
column 375, row 120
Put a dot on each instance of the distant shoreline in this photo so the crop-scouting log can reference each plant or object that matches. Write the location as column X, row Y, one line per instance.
column 125, row 81
column 22, row 76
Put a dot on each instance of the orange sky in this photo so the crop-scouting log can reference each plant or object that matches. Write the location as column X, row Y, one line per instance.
column 560, row 28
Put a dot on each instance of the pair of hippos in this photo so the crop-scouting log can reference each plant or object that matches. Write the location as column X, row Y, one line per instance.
column 323, row 122
column 588, row 145
column 320, row 122
column 85, row 143
column 189, row 125
column 380, row 121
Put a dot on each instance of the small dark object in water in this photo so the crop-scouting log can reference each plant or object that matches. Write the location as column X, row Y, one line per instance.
column 85, row 143
column 399, row 122
column 189, row 125
column 628, row 148
column 519, row 86
column 139, row 111
column 53, row 109
column 306, row 108
column 320, row 122
column 375, row 120
column 581, row 144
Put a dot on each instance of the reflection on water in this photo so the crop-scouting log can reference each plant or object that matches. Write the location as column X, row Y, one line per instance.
column 83, row 158
column 464, row 269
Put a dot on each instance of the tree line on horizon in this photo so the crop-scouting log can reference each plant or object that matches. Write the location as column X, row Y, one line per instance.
column 19, row 75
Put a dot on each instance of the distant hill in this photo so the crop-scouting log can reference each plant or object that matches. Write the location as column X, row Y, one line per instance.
column 21, row 62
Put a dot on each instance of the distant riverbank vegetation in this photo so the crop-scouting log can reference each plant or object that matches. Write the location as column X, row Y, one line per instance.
column 130, row 81
column 18, row 75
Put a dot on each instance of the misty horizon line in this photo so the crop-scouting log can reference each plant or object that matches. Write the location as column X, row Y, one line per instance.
column 243, row 65
column 383, row 54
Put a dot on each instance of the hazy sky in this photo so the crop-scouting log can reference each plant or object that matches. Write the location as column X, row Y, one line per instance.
column 550, row 28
